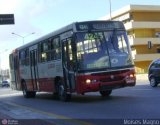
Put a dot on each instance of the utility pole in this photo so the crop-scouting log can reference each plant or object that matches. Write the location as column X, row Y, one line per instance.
column 110, row 9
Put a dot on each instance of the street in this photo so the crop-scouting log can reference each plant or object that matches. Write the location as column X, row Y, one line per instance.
column 127, row 106
column 66, row 62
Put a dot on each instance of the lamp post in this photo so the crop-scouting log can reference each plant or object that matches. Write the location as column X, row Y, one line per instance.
column 110, row 9
column 23, row 36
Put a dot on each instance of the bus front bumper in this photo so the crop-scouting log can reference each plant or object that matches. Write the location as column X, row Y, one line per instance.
column 102, row 86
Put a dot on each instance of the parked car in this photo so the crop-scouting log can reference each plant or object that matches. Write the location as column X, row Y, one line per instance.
column 5, row 84
column 154, row 73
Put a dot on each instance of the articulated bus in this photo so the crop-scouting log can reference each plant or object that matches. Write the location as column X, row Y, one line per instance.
column 81, row 57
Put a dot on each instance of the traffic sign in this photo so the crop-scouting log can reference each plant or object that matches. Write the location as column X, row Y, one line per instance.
column 6, row 19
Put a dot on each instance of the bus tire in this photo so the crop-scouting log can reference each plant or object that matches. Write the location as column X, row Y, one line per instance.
column 105, row 93
column 32, row 94
column 63, row 95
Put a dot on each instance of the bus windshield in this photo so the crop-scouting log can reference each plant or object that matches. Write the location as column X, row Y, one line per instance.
column 103, row 50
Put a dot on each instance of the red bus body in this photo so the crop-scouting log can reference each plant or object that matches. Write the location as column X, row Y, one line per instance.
column 81, row 57
column 107, row 80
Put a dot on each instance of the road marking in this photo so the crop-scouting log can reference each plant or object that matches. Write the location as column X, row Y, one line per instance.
column 142, row 89
column 52, row 115
column 6, row 95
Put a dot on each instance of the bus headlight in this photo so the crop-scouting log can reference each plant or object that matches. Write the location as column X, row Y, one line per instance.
column 88, row 81
column 131, row 75
column 130, row 78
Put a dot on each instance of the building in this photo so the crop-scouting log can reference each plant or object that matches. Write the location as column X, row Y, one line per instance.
column 4, row 75
column 142, row 23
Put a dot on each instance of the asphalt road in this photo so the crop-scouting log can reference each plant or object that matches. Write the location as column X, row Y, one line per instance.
column 131, row 105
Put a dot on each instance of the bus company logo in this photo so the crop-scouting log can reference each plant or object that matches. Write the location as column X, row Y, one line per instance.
column 4, row 122
column 114, row 60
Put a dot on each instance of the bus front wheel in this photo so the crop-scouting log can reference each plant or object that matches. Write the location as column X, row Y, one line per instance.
column 105, row 93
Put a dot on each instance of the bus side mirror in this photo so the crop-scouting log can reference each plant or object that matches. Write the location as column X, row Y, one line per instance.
column 149, row 44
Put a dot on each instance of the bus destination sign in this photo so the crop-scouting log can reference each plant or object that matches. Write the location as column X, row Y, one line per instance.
column 99, row 26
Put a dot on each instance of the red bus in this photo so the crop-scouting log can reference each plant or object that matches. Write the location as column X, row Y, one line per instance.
column 81, row 57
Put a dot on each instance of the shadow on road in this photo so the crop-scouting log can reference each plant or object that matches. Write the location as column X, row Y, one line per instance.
column 128, row 93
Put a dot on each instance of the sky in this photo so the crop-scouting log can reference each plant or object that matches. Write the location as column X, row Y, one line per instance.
column 45, row 16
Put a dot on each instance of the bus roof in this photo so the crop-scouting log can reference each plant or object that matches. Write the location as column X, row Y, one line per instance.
column 54, row 33
column 71, row 26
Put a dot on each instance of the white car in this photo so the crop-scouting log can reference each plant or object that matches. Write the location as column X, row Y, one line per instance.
column 5, row 83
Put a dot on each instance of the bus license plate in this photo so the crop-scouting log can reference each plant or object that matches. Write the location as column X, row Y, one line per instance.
column 130, row 80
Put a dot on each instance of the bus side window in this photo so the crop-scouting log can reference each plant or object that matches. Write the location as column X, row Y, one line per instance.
column 55, row 46
column 24, row 57
column 43, row 57
column 44, row 48
column 39, row 52
column 45, row 51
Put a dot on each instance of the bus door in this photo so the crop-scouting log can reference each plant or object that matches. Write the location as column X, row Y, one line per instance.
column 68, row 61
column 34, row 68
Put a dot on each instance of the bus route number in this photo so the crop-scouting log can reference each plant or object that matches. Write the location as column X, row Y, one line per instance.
column 83, row 27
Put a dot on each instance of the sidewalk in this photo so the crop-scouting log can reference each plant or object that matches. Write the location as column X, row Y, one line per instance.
column 141, row 77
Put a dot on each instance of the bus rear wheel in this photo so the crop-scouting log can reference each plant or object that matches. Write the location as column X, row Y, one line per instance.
column 63, row 95
column 105, row 93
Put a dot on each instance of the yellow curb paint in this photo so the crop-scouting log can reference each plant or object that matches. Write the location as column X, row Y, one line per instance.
column 53, row 115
